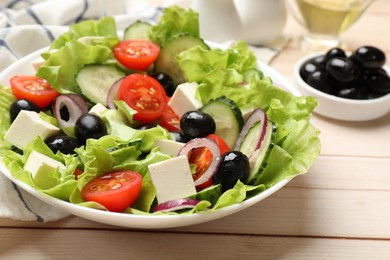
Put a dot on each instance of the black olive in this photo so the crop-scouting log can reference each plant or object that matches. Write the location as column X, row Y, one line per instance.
column 353, row 92
column 319, row 81
column 196, row 124
column 180, row 137
column 334, row 53
column 320, row 61
column 369, row 57
column 166, row 81
column 65, row 144
column 308, row 68
column 21, row 104
column 234, row 166
column 342, row 69
column 89, row 126
column 377, row 81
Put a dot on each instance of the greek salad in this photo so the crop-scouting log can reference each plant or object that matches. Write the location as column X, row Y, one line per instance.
column 156, row 121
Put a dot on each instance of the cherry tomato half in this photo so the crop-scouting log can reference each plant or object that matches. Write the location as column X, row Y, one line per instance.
column 35, row 89
column 170, row 120
column 115, row 190
column 136, row 54
column 202, row 158
column 145, row 95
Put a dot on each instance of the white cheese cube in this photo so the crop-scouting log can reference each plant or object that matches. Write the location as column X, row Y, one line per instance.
column 26, row 126
column 183, row 100
column 39, row 165
column 97, row 109
column 169, row 146
column 172, row 179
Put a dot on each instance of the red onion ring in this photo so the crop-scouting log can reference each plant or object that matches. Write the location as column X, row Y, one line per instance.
column 176, row 204
column 256, row 116
column 113, row 93
column 80, row 101
column 214, row 149
column 75, row 106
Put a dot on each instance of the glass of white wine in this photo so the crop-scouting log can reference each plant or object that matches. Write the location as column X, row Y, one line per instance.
column 325, row 20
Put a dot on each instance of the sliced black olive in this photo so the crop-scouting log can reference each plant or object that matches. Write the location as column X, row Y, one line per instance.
column 19, row 105
column 369, row 57
column 166, row 81
column 196, row 124
column 89, row 126
column 234, row 166
column 65, row 144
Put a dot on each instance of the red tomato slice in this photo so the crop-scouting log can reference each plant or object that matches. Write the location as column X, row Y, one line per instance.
column 223, row 146
column 34, row 89
column 136, row 54
column 202, row 158
column 170, row 120
column 115, row 190
column 145, row 95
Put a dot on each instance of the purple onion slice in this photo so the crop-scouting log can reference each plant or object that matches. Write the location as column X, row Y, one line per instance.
column 80, row 101
column 113, row 93
column 256, row 116
column 67, row 109
column 176, row 204
column 213, row 148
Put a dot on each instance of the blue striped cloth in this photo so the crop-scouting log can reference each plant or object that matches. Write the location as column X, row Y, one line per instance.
column 29, row 25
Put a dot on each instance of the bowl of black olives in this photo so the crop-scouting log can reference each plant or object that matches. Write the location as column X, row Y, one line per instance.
column 349, row 86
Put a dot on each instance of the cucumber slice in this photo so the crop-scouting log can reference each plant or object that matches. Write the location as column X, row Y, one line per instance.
column 210, row 194
column 247, row 146
column 228, row 118
column 96, row 80
column 138, row 30
column 258, row 160
column 166, row 61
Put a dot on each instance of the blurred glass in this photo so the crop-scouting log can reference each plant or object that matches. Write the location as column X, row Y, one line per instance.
column 325, row 20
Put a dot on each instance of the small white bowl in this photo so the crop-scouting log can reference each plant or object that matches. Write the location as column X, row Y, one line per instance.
column 342, row 108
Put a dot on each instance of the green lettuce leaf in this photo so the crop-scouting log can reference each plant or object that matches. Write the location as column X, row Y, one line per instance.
column 6, row 99
column 105, row 28
column 174, row 22
column 196, row 63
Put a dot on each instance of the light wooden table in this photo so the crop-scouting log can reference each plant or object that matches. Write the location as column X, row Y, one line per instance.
column 339, row 210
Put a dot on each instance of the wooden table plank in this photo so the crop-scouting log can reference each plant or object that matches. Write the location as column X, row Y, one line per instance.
column 44, row 244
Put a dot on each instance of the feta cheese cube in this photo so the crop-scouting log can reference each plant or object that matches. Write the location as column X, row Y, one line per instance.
column 172, row 179
column 183, row 100
column 39, row 165
column 26, row 126
column 97, row 109
column 168, row 146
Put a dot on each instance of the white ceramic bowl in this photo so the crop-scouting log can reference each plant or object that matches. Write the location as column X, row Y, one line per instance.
column 24, row 67
column 342, row 108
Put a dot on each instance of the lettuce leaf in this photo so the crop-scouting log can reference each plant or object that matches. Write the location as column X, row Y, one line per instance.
column 104, row 28
column 174, row 22
column 6, row 99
